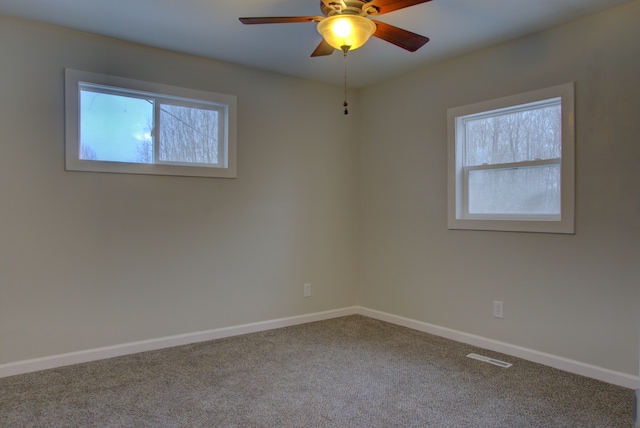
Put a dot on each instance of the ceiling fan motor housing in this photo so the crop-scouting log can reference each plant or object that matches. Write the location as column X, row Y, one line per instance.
column 347, row 7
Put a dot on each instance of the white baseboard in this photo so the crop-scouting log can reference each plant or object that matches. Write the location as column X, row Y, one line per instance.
column 37, row 364
column 571, row 366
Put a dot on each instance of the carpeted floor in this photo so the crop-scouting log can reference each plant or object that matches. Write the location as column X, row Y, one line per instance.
column 346, row 372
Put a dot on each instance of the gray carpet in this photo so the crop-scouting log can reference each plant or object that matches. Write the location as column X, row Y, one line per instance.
column 346, row 372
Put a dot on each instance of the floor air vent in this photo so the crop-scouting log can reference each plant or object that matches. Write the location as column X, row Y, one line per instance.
column 490, row 360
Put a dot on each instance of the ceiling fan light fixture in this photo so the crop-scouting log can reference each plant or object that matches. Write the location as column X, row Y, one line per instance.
column 346, row 30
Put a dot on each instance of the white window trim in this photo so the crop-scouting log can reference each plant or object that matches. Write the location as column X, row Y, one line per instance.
column 73, row 79
column 456, row 199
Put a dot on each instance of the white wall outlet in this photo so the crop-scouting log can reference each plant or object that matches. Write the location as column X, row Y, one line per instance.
column 307, row 290
column 498, row 309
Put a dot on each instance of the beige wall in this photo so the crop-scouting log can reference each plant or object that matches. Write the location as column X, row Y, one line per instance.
column 574, row 296
column 89, row 260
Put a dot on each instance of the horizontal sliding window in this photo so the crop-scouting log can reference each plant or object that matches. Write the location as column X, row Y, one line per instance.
column 121, row 125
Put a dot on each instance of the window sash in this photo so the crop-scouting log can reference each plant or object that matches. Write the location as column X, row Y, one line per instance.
column 465, row 169
column 466, row 195
column 157, row 102
column 221, row 154
column 462, row 130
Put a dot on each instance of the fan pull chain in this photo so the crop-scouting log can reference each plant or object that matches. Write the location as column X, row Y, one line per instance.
column 345, row 49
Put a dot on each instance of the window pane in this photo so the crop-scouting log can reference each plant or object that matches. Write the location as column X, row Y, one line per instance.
column 115, row 128
column 527, row 134
column 188, row 135
column 532, row 190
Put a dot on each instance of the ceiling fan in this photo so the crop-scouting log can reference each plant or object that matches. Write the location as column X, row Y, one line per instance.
column 345, row 24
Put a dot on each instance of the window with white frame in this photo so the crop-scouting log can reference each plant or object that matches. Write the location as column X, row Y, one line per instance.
column 511, row 163
column 122, row 125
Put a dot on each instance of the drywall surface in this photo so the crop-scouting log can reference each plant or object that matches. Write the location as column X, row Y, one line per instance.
column 93, row 259
column 574, row 296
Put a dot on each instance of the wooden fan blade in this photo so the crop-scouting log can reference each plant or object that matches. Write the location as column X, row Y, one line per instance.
column 399, row 37
column 323, row 49
column 386, row 6
column 281, row 19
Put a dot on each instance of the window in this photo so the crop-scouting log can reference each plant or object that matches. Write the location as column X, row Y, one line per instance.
column 511, row 163
column 128, row 126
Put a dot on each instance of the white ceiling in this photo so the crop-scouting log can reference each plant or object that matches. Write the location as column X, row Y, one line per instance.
column 210, row 28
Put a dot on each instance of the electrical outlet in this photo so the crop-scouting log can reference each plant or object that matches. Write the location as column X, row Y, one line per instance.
column 498, row 309
column 307, row 290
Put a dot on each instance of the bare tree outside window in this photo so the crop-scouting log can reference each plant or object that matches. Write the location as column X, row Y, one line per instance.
column 188, row 135
column 514, row 137
column 144, row 149
column 87, row 152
